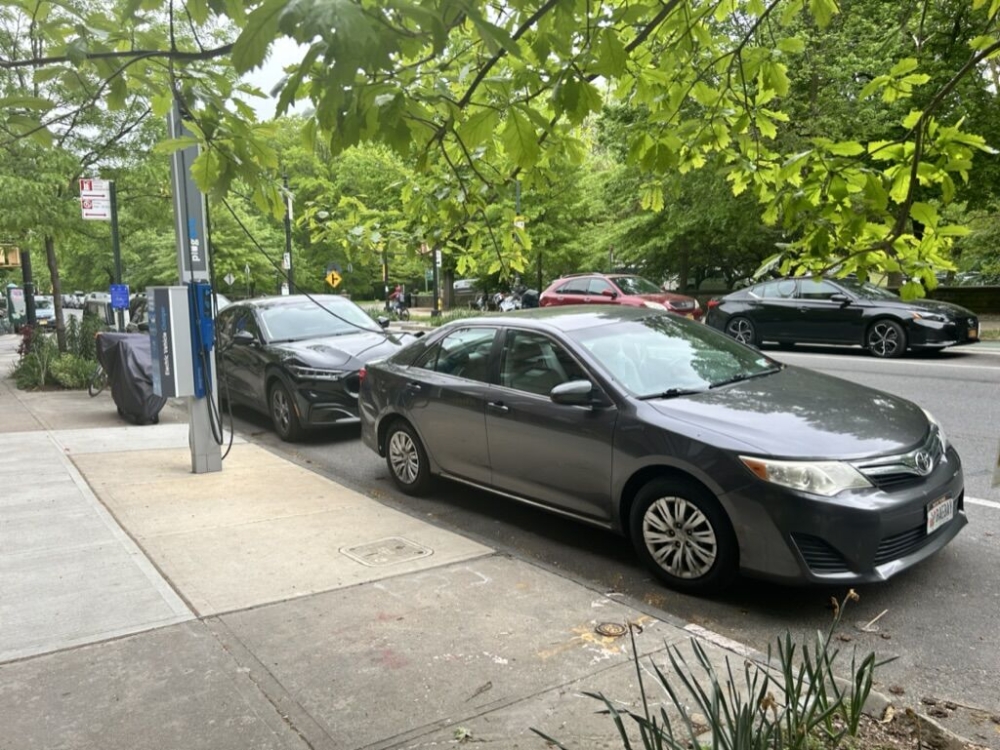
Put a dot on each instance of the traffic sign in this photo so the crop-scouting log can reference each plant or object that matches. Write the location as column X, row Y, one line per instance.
column 90, row 188
column 119, row 296
column 95, row 209
column 229, row 279
column 333, row 279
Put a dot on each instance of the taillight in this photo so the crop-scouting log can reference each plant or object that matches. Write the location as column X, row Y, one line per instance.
column 714, row 303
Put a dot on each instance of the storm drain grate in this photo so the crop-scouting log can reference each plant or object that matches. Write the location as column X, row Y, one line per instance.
column 388, row 551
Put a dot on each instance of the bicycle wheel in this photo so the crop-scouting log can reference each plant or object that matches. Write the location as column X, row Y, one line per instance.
column 98, row 381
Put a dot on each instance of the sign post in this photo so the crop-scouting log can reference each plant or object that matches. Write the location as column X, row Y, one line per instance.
column 99, row 202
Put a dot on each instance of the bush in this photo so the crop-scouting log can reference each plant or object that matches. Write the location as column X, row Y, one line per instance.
column 38, row 351
column 72, row 371
column 799, row 706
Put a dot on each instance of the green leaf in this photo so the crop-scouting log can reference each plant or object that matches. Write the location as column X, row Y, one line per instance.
column 823, row 11
column 36, row 103
column 911, row 120
column 846, row 148
column 925, row 213
column 251, row 46
column 792, row 45
column 478, row 128
column 520, row 140
column 904, row 66
column 612, row 55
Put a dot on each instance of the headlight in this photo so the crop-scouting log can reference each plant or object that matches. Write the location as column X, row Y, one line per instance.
column 940, row 430
column 936, row 317
column 818, row 477
column 654, row 305
column 697, row 305
column 315, row 373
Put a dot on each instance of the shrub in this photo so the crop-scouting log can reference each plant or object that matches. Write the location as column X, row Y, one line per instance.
column 798, row 706
column 38, row 351
column 72, row 371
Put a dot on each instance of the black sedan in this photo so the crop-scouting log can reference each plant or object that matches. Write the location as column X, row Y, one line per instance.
column 710, row 456
column 296, row 358
column 843, row 311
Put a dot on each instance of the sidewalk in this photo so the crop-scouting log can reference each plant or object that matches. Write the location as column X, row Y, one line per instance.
column 142, row 606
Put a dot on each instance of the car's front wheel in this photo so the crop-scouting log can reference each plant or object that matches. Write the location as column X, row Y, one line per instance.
column 681, row 532
column 283, row 414
column 406, row 458
column 886, row 339
column 742, row 329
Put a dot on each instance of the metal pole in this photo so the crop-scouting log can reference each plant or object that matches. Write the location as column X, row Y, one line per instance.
column 436, row 310
column 288, row 235
column 29, row 288
column 116, row 249
column 385, row 276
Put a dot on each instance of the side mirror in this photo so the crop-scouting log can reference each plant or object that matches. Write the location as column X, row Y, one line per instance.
column 383, row 321
column 573, row 393
column 841, row 298
column 609, row 293
column 244, row 338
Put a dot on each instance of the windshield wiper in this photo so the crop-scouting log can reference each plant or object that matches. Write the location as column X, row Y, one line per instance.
column 746, row 376
column 672, row 392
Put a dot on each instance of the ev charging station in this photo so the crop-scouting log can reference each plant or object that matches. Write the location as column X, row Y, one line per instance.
column 181, row 325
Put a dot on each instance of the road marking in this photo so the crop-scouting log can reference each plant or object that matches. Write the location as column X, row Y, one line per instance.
column 842, row 358
column 987, row 503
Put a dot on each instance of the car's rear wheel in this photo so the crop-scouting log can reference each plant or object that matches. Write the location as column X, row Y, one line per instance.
column 283, row 414
column 742, row 329
column 681, row 532
column 406, row 458
column 886, row 339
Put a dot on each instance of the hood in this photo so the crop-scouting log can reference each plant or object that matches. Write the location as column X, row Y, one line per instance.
column 348, row 351
column 798, row 413
column 945, row 308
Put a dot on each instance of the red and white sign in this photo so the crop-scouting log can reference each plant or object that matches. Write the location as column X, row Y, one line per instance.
column 97, row 210
column 95, row 199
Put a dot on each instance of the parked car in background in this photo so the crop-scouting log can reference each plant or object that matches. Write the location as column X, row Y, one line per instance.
column 45, row 311
column 138, row 318
column 845, row 311
column 616, row 289
column 708, row 455
column 296, row 358
column 465, row 285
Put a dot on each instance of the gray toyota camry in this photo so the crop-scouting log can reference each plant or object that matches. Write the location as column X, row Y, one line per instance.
column 709, row 456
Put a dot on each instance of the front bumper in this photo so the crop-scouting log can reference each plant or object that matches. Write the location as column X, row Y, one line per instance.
column 860, row 536
column 931, row 334
column 322, row 403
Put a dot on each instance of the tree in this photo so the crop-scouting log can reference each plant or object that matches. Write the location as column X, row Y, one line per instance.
column 489, row 93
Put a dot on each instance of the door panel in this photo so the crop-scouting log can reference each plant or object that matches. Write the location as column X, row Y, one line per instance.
column 822, row 320
column 774, row 309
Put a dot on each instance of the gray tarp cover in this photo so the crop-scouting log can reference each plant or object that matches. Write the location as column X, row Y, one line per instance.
column 127, row 360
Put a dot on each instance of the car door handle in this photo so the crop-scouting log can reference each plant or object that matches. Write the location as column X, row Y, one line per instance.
column 498, row 405
column 413, row 385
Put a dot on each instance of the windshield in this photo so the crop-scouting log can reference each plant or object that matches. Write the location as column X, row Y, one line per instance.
column 43, row 303
column 307, row 320
column 636, row 285
column 865, row 289
column 662, row 355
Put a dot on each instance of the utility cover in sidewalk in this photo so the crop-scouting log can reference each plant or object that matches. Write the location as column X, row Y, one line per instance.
column 386, row 551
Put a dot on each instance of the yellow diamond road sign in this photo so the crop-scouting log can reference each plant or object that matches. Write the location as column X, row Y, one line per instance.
column 333, row 279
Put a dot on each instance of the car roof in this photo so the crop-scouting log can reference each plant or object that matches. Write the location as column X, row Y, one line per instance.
column 562, row 317
column 263, row 303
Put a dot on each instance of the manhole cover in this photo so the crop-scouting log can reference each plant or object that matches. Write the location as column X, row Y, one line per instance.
column 387, row 551
column 611, row 629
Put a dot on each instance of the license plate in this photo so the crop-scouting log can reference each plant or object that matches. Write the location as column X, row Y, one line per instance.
column 939, row 513
column 690, row 316
column 974, row 333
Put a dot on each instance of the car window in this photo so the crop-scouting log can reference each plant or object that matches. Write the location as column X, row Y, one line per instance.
column 536, row 364
column 780, row 289
column 576, row 286
column 314, row 317
column 599, row 286
column 636, row 285
column 463, row 354
column 867, row 290
column 224, row 325
column 243, row 320
column 663, row 353
column 816, row 289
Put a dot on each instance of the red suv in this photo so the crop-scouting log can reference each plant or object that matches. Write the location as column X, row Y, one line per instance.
column 616, row 289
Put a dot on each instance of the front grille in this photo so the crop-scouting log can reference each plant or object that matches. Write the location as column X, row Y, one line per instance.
column 895, row 472
column 895, row 481
column 820, row 556
column 900, row 545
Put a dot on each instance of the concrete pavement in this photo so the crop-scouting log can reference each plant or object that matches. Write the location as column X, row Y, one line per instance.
column 267, row 607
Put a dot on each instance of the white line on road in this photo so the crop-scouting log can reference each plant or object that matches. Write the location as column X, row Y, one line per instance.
column 988, row 503
column 908, row 363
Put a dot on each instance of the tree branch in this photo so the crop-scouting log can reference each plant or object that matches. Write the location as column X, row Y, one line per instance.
column 176, row 55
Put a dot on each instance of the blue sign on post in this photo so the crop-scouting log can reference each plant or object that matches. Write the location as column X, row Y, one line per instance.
column 119, row 296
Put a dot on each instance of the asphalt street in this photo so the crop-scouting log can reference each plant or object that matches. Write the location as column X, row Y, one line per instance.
column 937, row 621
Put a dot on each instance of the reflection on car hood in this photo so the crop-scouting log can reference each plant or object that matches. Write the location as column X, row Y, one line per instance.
column 350, row 350
column 665, row 297
column 798, row 413
column 945, row 308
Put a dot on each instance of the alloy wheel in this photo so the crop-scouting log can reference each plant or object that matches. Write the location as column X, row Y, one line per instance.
column 883, row 339
column 404, row 458
column 281, row 410
column 741, row 329
column 680, row 538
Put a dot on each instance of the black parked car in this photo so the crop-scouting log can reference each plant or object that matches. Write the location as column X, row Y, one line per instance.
column 710, row 456
column 297, row 359
column 843, row 311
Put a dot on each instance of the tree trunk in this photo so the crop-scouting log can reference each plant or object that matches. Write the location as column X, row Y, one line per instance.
column 50, row 256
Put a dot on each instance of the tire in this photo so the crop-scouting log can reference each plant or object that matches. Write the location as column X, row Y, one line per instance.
column 98, row 382
column 283, row 415
column 743, row 330
column 404, row 313
column 406, row 459
column 706, row 558
column 885, row 339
